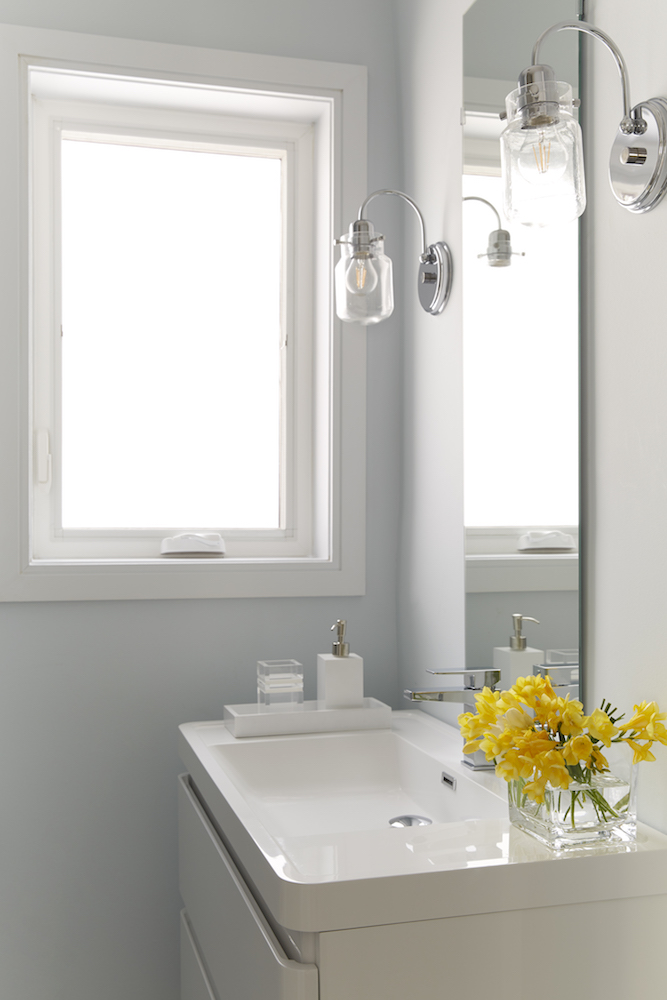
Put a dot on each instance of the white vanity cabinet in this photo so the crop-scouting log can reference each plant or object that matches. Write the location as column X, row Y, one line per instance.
column 474, row 908
column 228, row 949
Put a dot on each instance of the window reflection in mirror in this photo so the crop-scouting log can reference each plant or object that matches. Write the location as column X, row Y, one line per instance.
column 521, row 376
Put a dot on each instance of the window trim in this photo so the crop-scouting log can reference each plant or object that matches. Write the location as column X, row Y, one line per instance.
column 336, row 563
column 55, row 120
column 494, row 564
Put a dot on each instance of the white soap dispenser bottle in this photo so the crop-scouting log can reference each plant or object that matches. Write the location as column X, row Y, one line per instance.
column 517, row 659
column 340, row 674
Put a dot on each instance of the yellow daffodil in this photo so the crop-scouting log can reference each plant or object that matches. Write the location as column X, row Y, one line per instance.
column 496, row 742
column 471, row 726
column 485, row 702
column 579, row 748
column 518, row 718
column 535, row 735
column 534, row 742
column 647, row 722
column 531, row 689
column 600, row 727
column 535, row 789
column 552, row 765
column 641, row 751
column 569, row 716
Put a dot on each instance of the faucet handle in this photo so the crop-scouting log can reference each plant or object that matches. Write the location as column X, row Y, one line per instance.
column 477, row 678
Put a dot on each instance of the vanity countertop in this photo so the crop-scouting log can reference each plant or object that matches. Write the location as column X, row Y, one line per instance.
column 321, row 869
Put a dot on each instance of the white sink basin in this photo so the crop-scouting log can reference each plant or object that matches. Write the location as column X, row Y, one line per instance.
column 307, row 820
column 315, row 785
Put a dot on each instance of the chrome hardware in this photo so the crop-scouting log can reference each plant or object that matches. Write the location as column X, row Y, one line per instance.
column 449, row 780
column 340, row 647
column 564, row 677
column 490, row 677
column 432, row 299
column 518, row 641
column 633, row 154
column 474, row 680
column 403, row 821
column 640, row 181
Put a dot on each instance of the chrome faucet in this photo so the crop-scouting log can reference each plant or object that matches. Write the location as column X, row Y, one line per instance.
column 473, row 680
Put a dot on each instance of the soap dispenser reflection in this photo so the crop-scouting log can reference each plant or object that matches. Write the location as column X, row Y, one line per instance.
column 340, row 674
column 517, row 659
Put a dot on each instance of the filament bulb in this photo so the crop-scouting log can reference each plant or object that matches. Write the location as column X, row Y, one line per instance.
column 543, row 157
column 361, row 278
column 542, row 152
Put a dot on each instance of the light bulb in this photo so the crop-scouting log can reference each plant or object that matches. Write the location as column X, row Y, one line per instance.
column 361, row 276
column 364, row 287
column 543, row 157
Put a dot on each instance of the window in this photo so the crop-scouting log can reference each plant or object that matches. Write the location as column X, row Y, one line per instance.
column 171, row 393
column 521, row 378
column 182, row 371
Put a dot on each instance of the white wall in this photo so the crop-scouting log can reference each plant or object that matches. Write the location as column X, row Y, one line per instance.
column 626, row 586
column 432, row 610
column 91, row 694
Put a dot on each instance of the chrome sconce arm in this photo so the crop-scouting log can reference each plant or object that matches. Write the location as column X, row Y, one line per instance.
column 499, row 252
column 542, row 146
column 631, row 123
column 363, row 275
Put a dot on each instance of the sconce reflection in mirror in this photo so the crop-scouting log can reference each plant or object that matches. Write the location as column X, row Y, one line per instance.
column 499, row 252
column 541, row 146
column 363, row 275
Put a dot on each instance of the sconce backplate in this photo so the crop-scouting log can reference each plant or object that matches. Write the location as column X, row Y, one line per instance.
column 434, row 282
column 638, row 164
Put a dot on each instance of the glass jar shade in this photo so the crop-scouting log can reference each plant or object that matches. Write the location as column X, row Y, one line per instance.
column 542, row 160
column 364, row 283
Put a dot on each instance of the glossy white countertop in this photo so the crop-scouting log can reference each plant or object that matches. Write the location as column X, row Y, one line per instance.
column 306, row 817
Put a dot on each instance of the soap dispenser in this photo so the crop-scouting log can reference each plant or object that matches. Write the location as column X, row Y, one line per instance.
column 517, row 659
column 340, row 674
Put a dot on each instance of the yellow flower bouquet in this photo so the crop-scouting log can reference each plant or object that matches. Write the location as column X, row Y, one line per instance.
column 561, row 787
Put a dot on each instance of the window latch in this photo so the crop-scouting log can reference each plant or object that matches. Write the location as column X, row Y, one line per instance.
column 43, row 460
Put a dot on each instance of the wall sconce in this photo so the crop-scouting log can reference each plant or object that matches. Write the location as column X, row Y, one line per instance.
column 541, row 147
column 499, row 252
column 363, row 275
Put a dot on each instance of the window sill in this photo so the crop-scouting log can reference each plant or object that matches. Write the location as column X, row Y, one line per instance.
column 173, row 579
column 505, row 572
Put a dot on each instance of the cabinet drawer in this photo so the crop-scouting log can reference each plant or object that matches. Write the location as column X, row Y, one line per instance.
column 194, row 981
column 242, row 954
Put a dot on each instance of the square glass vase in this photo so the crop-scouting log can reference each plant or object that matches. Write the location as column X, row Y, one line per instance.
column 587, row 815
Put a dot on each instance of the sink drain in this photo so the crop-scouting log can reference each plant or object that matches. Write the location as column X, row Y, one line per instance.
column 402, row 821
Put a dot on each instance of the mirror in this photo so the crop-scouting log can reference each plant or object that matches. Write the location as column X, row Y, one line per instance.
column 521, row 362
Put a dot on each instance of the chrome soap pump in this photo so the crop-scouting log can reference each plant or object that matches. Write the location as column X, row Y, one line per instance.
column 340, row 674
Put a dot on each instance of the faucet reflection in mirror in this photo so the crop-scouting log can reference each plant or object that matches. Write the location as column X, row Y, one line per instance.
column 363, row 275
column 542, row 150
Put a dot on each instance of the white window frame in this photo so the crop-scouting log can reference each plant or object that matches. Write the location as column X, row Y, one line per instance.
column 495, row 565
column 319, row 550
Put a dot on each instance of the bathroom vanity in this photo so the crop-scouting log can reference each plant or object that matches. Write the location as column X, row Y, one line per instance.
column 296, row 887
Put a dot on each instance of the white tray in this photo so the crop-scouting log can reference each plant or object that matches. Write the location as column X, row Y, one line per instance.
column 308, row 717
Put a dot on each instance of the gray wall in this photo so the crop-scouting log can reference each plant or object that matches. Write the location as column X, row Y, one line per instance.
column 499, row 36
column 489, row 622
column 91, row 693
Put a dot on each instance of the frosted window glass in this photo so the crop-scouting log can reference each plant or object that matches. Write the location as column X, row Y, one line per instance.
column 171, row 369
column 521, row 371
